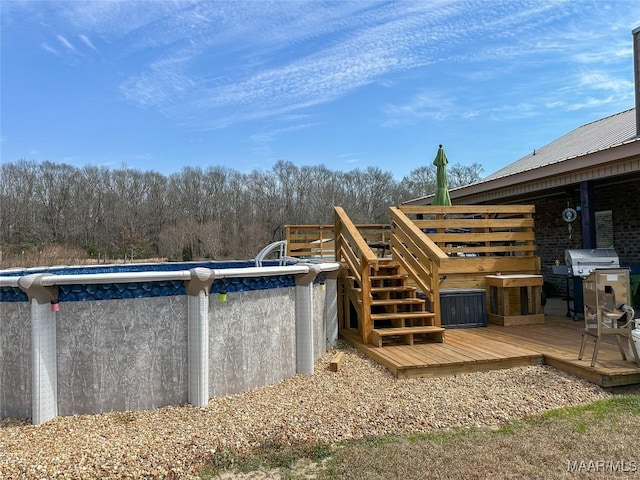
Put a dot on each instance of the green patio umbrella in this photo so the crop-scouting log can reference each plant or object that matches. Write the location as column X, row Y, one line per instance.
column 442, row 191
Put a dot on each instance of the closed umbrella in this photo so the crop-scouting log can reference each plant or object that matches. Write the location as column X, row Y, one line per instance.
column 442, row 191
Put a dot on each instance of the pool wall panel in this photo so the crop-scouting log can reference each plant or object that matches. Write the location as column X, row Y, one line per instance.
column 252, row 340
column 15, row 360
column 116, row 355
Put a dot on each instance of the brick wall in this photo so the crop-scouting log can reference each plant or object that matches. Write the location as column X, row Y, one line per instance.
column 624, row 201
column 553, row 236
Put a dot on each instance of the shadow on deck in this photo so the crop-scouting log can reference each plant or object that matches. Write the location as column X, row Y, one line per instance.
column 555, row 343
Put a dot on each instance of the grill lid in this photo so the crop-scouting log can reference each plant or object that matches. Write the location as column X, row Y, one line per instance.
column 584, row 261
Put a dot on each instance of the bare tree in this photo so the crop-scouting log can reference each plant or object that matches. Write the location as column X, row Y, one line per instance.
column 213, row 212
column 19, row 213
column 422, row 181
column 461, row 175
column 54, row 189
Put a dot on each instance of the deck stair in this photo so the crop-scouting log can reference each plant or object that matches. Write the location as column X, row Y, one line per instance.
column 396, row 312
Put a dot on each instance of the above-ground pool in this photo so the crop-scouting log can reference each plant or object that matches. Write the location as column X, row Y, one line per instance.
column 78, row 340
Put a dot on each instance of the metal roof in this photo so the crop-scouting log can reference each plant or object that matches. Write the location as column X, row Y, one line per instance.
column 592, row 137
column 592, row 146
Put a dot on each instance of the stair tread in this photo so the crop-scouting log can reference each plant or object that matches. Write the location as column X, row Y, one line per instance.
column 397, row 301
column 407, row 289
column 389, row 277
column 407, row 330
column 388, row 263
column 401, row 315
column 398, row 288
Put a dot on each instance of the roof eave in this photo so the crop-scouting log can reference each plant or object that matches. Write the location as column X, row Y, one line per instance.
column 580, row 163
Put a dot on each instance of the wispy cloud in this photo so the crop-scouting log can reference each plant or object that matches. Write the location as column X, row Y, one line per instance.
column 208, row 65
column 268, row 136
column 49, row 48
column 65, row 42
column 514, row 111
column 432, row 105
column 590, row 102
column 591, row 90
column 604, row 56
column 599, row 80
column 87, row 41
column 360, row 51
column 350, row 158
column 524, row 75
column 471, row 114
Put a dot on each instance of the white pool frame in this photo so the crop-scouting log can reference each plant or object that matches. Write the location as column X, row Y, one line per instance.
column 267, row 335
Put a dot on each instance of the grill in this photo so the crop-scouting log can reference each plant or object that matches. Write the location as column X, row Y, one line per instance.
column 579, row 263
column 582, row 262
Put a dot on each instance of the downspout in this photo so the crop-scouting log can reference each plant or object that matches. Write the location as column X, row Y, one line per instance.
column 636, row 75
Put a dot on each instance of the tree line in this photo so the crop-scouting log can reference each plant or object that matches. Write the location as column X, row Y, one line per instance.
column 213, row 212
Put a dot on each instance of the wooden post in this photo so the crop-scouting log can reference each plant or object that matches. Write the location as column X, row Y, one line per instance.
column 342, row 292
column 287, row 237
column 366, row 301
column 435, row 289
column 336, row 362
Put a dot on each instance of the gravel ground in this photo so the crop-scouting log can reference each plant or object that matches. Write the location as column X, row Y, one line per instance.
column 360, row 400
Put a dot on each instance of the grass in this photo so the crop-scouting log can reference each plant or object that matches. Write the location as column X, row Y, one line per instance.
column 48, row 255
column 286, row 459
column 599, row 440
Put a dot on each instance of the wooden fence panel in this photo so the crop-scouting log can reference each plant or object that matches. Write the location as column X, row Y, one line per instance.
column 478, row 240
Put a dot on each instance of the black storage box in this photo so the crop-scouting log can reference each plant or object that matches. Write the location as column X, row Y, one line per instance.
column 462, row 307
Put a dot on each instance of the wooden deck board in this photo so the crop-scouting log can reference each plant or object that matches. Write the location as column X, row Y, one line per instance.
column 408, row 357
column 487, row 349
column 491, row 345
column 482, row 352
column 442, row 355
column 556, row 342
column 472, row 353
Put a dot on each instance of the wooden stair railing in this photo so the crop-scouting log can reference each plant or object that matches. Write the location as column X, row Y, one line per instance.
column 378, row 288
column 418, row 256
column 359, row 260
column 431, row 247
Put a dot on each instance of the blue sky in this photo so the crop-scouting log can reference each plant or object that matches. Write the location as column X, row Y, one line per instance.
column 163, row 85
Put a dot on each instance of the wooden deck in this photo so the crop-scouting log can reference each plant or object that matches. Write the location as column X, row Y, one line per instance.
column 555, row 343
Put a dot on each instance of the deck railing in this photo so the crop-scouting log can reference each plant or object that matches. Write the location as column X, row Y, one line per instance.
column 311, row 241
column 317, row 241
column 468, row 230
column 477, row 240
